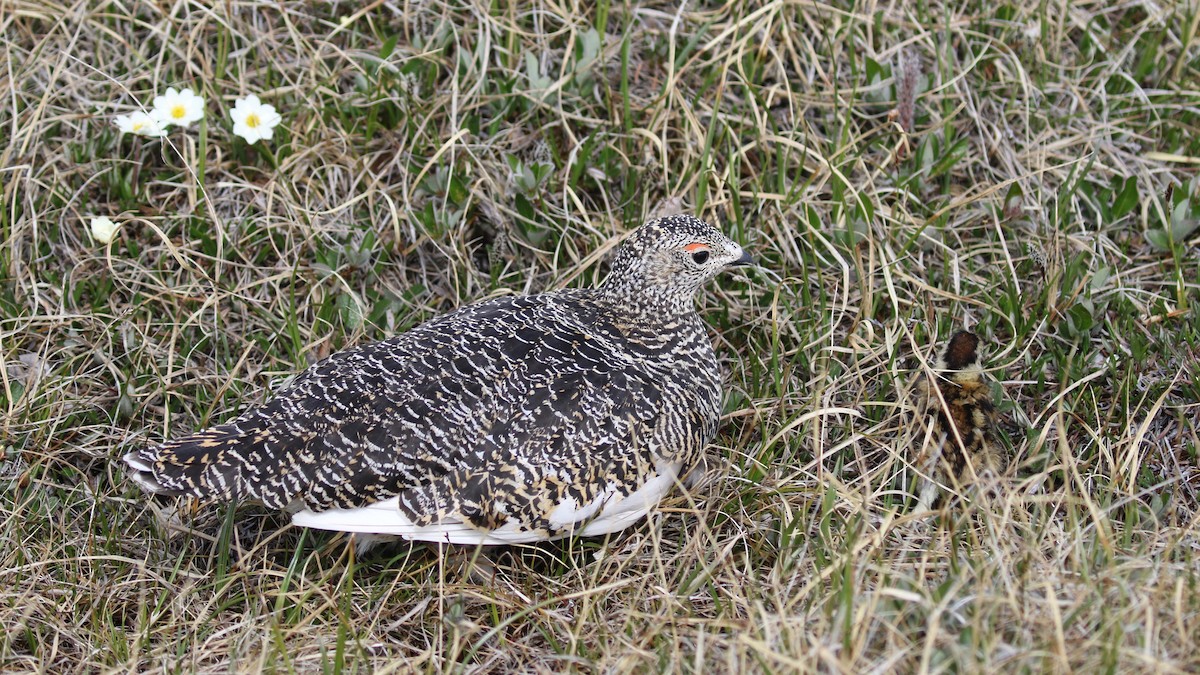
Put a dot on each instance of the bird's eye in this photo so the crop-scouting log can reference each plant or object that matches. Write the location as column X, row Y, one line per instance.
column 700, row 256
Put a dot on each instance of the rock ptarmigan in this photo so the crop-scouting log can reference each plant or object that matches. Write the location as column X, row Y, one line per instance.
column 958, row 447
column 517, row 419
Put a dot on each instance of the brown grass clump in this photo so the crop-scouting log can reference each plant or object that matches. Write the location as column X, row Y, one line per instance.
column 1043, row 194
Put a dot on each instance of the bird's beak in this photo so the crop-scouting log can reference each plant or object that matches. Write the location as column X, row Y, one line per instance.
column 744, row 261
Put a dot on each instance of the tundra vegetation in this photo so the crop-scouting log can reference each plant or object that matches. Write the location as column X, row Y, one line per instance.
column 900, row 171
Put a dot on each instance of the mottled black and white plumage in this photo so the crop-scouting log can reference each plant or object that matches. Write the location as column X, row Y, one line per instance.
column 513, row 420
column 956, row 405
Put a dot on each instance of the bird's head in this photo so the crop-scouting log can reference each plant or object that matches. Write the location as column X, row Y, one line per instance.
column 667, row 260
column 960, row 362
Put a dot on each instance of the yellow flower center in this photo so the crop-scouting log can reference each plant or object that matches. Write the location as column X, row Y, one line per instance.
column 252, row 120
column 138, row 126
column 178, row 112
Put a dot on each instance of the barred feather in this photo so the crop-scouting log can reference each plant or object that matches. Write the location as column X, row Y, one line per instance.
column 957, row 406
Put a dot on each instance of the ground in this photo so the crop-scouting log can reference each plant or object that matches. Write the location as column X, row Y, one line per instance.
column 900, row 170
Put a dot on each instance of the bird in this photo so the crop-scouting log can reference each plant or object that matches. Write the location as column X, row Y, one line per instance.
column 513, row 420
column 955, row 404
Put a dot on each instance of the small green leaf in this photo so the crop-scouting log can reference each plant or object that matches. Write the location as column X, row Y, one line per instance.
column 873, row 70
column 1179, row 213
column 1159, row 239
column 1079, row 319
column 537, row 82
column 589, row 51
column 1183, row 222
column 389, row 46
column 350, row 311
column 17, row 389
column 524, row 207
column 1014, row 201
column 1126, row 199
column 1182, row 229
column 457, row 191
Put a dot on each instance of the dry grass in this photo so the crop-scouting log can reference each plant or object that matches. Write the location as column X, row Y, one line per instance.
column 1027, row 170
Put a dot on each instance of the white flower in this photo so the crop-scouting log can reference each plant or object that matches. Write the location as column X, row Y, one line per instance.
column 179, row 107
column 104, row 229
column 142, row 124
column 253, row 119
